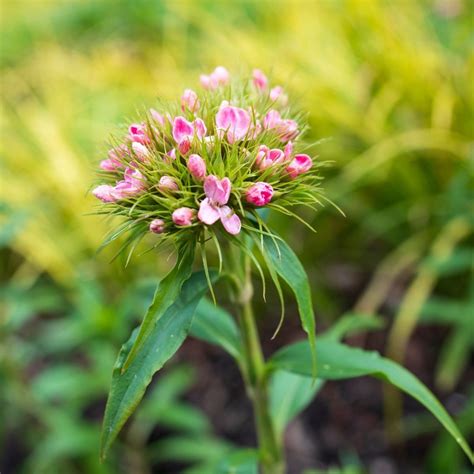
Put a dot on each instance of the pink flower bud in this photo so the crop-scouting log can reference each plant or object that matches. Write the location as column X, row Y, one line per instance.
column 277, row 94
column 118, row 153
column 286, row 129
column 183, row 216
column 197, row 166
column 266, row 157
column 184, row 146
column 259, row 194
column 157, row 117
column 300, row 164
column 105, row 193
column 142, row 152
column 137, row 133
column 260, row 81
column 167, row 183
column 157, row 226
column 110, row 164
column 219, row 77
column 189, row 100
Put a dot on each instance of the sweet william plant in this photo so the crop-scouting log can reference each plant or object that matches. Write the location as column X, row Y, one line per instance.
column 203, row 172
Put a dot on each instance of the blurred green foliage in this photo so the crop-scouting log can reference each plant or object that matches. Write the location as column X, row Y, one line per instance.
column 390, row 83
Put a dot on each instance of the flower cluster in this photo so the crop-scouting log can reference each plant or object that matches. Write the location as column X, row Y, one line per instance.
column 210, row 161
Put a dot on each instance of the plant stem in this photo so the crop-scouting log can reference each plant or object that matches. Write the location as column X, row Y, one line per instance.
column 270, row 449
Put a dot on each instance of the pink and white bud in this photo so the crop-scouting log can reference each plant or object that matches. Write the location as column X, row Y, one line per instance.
column 118, row 152
column 286, row 129
column 105, row 193
column 259, row 194
column 168, row 184
column 266, row 158
column 190, row 101
column 197, row 166
column 219, row 77
column 300, row 164
column 137, row 132
column 171, row 154
column 157, row 226
column 233, row 122
column 260, row 81
column 110, row 164
column 277, row 94
column 183, row 216
column 157, row 117
column 141, row 151
column 133, row 183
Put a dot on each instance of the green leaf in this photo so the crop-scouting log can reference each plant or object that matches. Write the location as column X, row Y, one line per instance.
column 338, row 361
column 166, row 336
column 166, row 293
column 289, row 395
column 216, row 326
column 242, row 461
column 352, row 323
column 290, row 269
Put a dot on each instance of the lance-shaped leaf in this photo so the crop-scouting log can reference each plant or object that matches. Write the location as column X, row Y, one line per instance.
column 166, row 293
column 165, row 337
column 290, row 269
column 338, row 361
column 216, row 326
column 291, row 393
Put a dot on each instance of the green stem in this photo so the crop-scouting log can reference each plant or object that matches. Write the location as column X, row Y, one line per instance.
column 270, row 449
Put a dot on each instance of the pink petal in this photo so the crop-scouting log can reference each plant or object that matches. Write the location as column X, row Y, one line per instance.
column 300, row 164
column 190, row 101
column 205, row 81
column 260, row 81
column 104, row 192
column 221, row 75
column 110, row 164
column 222, row 194
column 207, row 212
column 182, row 129
column 272, row 119
column 142, row 152
column 200, row 128
column 230, row 220
column 157, row 117
column 210, row 185
column 234, row 120
column 217, row 190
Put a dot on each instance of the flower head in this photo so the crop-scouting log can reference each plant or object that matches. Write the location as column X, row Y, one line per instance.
column 181, row 175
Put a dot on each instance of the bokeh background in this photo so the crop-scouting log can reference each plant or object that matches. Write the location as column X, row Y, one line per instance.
column 388, row 82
